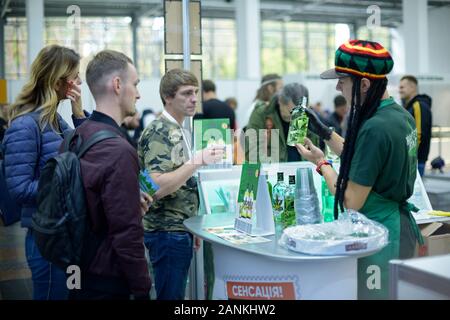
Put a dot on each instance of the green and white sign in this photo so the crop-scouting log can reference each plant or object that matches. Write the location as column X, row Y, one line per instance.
column 254, row 215
column 214, row 132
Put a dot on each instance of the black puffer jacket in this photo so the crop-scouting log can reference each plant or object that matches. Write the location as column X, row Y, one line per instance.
column 420, row 109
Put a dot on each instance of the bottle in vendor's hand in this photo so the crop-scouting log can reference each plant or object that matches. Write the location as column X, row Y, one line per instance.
column 298, row 127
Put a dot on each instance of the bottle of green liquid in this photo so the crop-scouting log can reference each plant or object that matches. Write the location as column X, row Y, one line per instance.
column 298, row 128
column 288, row 215
column 279, row 191
column 327, row 203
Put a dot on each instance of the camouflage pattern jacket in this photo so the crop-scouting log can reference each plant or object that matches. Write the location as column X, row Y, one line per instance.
column 160, row 150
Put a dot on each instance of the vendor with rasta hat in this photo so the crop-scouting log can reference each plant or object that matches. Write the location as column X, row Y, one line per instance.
column 378, row 158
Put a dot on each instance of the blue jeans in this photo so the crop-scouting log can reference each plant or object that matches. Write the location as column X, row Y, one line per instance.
column 421, row 167
column 49, row 282
column 170, row 254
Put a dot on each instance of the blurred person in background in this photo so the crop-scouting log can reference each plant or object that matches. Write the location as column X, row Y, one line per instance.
column 131, row 123
column 232, row 102
column 270, row 85
column 419, row 106
column 214, row 108
column 337, row 118
column 275, row 119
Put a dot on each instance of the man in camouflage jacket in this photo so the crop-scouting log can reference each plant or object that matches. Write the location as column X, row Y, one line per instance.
column 164, row 150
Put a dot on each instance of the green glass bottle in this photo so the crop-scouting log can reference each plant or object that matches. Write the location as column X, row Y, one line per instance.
column 278, row 194
column 269, row 185
column 288, row 215
column 327, row 203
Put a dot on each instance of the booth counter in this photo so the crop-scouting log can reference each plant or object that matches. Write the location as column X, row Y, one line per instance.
column 269, row 271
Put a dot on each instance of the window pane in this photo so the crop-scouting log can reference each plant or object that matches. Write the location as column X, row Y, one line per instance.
column 219, row 48
column 293, row 47
column 272, row 47
column 15, row 48
column 151, row 47
column 381, row 35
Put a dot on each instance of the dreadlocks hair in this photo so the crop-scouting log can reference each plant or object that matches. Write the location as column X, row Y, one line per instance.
column 359, row 113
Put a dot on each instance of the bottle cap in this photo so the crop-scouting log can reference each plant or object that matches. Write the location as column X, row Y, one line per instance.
column 280, row 176
column 291, row 179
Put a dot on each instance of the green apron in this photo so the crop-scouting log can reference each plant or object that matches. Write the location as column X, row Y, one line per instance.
column 388, row 213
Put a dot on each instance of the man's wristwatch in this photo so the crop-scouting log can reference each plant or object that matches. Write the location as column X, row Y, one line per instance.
column 322, row 163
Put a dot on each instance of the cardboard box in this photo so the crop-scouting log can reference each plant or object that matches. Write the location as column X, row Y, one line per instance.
column 437, row 239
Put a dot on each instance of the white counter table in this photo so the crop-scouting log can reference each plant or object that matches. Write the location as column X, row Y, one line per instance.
column 269, row 271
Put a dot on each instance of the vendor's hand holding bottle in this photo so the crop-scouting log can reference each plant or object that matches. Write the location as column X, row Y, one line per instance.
column 310, row 152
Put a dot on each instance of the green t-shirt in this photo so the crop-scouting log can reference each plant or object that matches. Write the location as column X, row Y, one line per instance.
column 385, row 156
column 160, row 150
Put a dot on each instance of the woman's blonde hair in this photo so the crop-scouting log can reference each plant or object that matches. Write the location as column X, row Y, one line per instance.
column 53, row 63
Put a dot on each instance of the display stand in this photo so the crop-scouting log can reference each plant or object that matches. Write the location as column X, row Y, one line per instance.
column 254, row 215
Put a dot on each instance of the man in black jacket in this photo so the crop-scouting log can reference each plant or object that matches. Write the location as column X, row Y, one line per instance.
column 336, row 119
column 214, row 108
column 419, row 105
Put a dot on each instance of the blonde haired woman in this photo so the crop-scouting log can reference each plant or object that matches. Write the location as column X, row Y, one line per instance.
column 34, row 136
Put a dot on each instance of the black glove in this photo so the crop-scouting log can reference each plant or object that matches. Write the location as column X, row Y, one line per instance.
column 316, row 126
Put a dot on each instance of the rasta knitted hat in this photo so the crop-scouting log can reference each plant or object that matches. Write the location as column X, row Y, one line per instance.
column 360, row 58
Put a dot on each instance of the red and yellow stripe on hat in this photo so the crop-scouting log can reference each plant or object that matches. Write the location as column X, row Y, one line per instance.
column 363, row 58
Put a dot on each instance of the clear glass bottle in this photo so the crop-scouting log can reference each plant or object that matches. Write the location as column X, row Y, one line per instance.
column 288, row 215
column 298, row 128
column 331, row 156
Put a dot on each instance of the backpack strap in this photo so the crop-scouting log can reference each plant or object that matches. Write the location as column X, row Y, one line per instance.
column 68, row 140
column 95, row 138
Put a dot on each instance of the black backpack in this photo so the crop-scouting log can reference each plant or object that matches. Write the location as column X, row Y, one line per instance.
column 61, row 227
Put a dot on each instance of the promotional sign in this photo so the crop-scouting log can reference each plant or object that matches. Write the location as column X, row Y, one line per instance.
column 214, row 133
column 260, row 290
column 255, row 215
